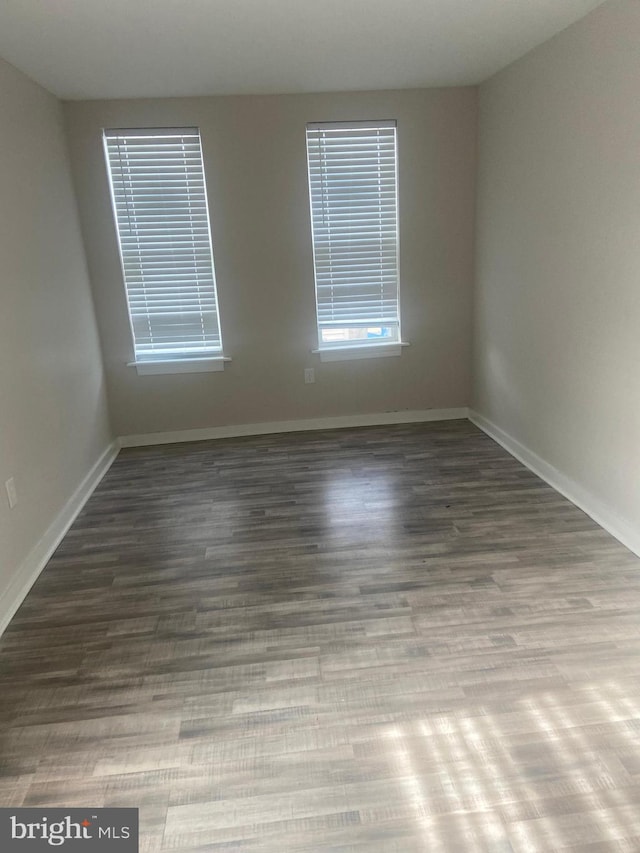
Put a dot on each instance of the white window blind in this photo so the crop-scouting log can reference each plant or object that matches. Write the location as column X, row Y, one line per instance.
column 353, row 195
column 160, row 207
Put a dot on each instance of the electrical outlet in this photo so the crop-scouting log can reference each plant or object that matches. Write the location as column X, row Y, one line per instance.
column 309, row 375
column 12, row 494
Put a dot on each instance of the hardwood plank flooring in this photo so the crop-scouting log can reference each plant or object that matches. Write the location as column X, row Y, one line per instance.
column 382, row 639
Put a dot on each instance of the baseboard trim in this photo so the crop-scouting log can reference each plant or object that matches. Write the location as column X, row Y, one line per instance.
column 40, row 554
column 340, row 422
column 618, row 527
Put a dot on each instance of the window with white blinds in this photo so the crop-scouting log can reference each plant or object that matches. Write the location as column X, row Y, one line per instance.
column 353, row 193
column 160, row 207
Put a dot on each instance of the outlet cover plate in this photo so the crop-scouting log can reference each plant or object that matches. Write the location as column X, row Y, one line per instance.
column 12, row 494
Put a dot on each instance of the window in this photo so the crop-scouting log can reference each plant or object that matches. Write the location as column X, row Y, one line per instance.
column 353, row 194
column 160, row 207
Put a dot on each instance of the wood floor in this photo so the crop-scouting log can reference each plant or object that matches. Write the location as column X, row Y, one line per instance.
column 372, row 640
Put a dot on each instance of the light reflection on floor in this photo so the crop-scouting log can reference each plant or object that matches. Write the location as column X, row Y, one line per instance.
column 466, row 789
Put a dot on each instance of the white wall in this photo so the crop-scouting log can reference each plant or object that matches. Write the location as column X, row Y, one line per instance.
column 557, row 334
column 255, row 160
column 53, row 413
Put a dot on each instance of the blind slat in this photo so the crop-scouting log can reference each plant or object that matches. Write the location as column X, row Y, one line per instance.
column 354, row 222
column 352, row 180
column 162, row 218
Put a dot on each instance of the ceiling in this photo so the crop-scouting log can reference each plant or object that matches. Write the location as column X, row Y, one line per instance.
column 160, row 48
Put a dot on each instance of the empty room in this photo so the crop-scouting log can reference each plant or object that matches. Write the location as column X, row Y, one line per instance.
column 320, row 426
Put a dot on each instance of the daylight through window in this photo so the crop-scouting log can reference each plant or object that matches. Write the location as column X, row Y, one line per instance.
column 353, row 194
column 160, row 207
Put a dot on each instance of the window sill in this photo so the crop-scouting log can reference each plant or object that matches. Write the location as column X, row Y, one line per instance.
column 185, row 365
column 361, row 351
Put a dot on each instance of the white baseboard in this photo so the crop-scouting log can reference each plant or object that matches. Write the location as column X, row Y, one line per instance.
column 37, row 559
column 618, row 527
column 236, row 430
